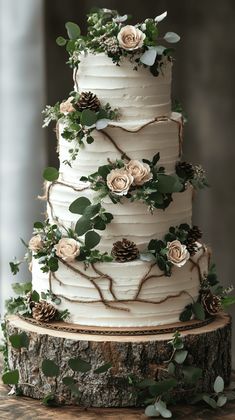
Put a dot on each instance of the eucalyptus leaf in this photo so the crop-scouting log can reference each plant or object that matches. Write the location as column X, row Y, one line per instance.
column 150, row 411
column 191, row 374
column 91, row 210
column 38, row 225
column 226, row 301
column 218, row 384
column 180, row 356
column 61, row 41
column 82, row 226
column 171, row 37
column 92, row 239
column 149, row 56
column 162, row 386
column 159, row 18
column 101, row 124
column 50, row 174
column 11, row 377
column 147, row 256
column 160, row 406
column 169, row 183
column 210, row 401
column 50, row 368
column 103, row 368
column 186, row 314
column 73, row 30
column 19, row 340
column 79, row 365
column 88, row 117
column 171, row 368
column 198, row 311
column 221, row 401
column 146, row 383
column 79, row 205
column 68, row 380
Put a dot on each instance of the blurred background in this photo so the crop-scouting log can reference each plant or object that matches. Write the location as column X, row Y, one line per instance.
column 33, row 73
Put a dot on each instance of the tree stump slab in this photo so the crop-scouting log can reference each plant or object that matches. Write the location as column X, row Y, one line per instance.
column 209, row 348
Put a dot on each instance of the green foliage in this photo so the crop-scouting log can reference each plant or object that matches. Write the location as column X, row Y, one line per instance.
column 218, row 398
column 92, row 239
column 73, row 30
column 50, row 174
column 50, row 368
column 14, row 266
column 79, row 205
column 50, row 400
column 227, row 301
column 88, row 117
column 79, row 365
column 198, row 311
column 103, row 368
column 11, row 377
column 19, row 340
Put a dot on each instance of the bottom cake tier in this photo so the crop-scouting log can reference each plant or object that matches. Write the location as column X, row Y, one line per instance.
column 102, row 370
column 133, row 294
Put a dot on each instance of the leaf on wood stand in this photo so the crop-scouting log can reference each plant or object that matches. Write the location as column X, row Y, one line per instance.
column 50, row 368
column 11, row 377
column 50, row 174
column 79, row 365
column 19, row 340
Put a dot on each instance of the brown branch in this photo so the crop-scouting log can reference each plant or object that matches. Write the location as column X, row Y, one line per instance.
column 75, row 78
column 197, row 265
column 106, row 276
column 143, row 280
column 123, row 154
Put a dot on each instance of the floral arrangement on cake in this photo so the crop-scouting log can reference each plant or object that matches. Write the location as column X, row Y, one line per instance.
column 110, row 33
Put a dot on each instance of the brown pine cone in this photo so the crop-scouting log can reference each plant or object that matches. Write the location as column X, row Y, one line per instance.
column 211, row 303
column 194, row 234
column 88, row 100
column 124, row 251
column 185, row 169
column 192, row 248
column 44, row 311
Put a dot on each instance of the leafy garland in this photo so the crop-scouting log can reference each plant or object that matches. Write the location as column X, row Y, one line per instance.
column 155, row 192
column 78, row 122
column 104, row 27
column 177, row 373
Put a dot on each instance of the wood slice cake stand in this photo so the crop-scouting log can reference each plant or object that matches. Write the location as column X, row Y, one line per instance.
column 142, row 355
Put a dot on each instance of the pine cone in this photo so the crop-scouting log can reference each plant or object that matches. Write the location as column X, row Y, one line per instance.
column 211, row 303
column 185, row 169
column 194, row 234
column 192, row 248
column 124, row 251
column 88, row 100
column 44, row 311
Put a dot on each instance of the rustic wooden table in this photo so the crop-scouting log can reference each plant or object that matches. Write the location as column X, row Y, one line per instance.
column 14, row 408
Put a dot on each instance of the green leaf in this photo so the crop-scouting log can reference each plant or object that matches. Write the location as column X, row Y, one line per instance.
column 169, row 183
column 53, row 264
column 103, row 368
column 99, row 224
column 88, row 117
column 146, row 383
column 73, row 30
column 227, row 301
column 50, row 174
column 83, row 225
column 11, row 377
column 22, row 288
column 61, row 41
column 50, row 368
column 221, row 401
column 104, row 171
column 171, row 37
column 171, row 368
column 180, row 356
column 191, row 374
column 79, row 205
column 50, row 401
column 38, row 225
column 150, row 411
column 186, row 314
column 156, row 158
column 79, row 365
column 19, row 340
column 92, row 239
column 212, row 403
column 219, row 384
column 160, row 406
column 162, row 386
column 198, row 311
column 92, row 210
column 68, row 380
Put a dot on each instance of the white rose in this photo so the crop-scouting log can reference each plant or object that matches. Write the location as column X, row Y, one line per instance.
column 140, row 172
column 119, row 181
column 67, row 106
column 177, row 253
column 67, row 249
column 130, row 38
column 35, row 243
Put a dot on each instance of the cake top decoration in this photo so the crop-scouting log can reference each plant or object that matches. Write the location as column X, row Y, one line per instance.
column 110, row 33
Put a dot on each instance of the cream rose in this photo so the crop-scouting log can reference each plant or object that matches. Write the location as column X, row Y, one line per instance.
column 67, row 249
column 130, row 38
column 35, row 243
column 67, row 106
column 177, row 253
column 140, row 172
column 119, row 181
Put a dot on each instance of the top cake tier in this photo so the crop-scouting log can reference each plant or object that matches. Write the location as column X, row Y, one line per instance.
column 138, row 95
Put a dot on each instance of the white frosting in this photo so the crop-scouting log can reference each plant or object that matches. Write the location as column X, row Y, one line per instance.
column 138, row 94
column 132, row 220
column 126, row 279
column 159, row 137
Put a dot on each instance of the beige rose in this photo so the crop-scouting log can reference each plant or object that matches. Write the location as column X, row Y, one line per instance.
column 35, row 243
column 140, row 172
column 67, row 249
column 67, row 106
column 130, row 38
column 119, row 181
column 177, row 253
